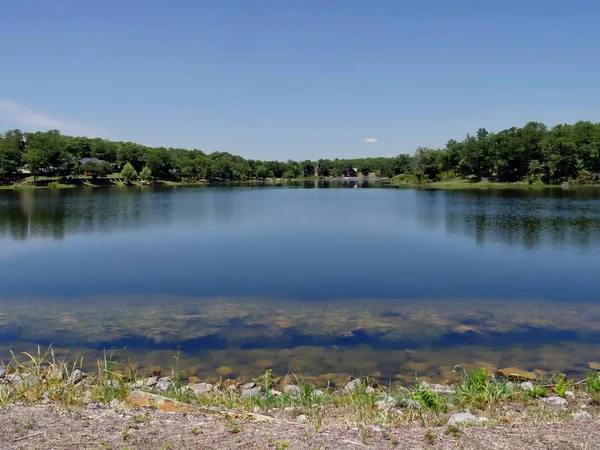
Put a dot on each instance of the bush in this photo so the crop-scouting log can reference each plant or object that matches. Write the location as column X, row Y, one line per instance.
column 128, row 172
column 146, row 174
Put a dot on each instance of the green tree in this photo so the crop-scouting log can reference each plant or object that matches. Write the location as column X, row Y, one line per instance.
column 128, row 172
column 11, row 152
column 146, row 174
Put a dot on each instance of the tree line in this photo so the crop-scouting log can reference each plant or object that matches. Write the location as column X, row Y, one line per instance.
column 533, row 153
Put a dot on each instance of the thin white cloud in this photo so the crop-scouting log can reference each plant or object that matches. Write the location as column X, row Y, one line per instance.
column 29, row 120
column 370, row 140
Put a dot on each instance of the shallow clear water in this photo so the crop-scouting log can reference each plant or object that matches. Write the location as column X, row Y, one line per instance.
column 319, row 280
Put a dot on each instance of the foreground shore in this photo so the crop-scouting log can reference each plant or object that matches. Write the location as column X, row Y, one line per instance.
column 49, row 404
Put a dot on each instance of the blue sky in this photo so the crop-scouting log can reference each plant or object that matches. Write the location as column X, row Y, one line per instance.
column 281, row 79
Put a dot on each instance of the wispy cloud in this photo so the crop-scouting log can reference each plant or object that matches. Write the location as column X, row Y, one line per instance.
column 370, row 140
column 30, row 120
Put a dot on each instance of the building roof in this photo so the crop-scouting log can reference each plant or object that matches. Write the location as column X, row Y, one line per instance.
column 90, row 160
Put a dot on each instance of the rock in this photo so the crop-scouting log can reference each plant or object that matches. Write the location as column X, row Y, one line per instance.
column 527, row 386
column 14, row 378
column 510, row 386
column 301, row 418
column 516, row 374
column 290, row 408
column 555, row 401
column 275, row 392
column 252, row 392
column 94, row 406
column 231, row 387
column 438, row 388
column 292, row 389
column 249, row 385
column 594, row 365
column 77, row 376
column 385, row 402
column 146, row 400
column 113, row 383
column 193, row 380
column 201, row 388
column 570, row 395
column 318, row 393
column 352, row 385
column 164, row 384
column 256, row 409
column 582, row 415
column 462, row 418
column 150, row 382
column 2, row 372
column 114, row 404
column 370, row 390
column 410, row 403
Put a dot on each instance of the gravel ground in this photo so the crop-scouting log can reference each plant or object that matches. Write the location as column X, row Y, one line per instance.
column 55, row 427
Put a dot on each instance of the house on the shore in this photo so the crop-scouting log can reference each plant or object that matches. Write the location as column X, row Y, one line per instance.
column 85, row 161
column 351, row 172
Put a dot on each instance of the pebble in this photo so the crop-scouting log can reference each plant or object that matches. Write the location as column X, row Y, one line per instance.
column 292, row 389
column 150, row 382
column 570, row 394
column 77, row 376
column 252, row 392
column 527, row 386
column 556, row 401
column 164, row 384
column 256, row 409
column 318, row 393
column 301, row 418
column 370, row 390
column 201, row 388
column 460, row 418
column 14, row 378
column 352, row 385
column 582, row 415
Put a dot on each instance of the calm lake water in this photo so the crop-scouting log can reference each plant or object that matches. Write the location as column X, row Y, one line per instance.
column 314, row 278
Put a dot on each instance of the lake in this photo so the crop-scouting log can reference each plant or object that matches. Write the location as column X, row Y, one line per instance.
column 315, row 278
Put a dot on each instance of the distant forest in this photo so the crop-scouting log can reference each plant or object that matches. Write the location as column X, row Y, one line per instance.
column 533, row 153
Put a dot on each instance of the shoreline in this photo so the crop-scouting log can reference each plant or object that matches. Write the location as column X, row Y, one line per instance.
column 362, row 410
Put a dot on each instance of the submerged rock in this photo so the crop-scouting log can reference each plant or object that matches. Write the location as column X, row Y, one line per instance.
column 252, row 392
column 465, row 418
column 201, row 388
column 516, row 374
column 292, row 389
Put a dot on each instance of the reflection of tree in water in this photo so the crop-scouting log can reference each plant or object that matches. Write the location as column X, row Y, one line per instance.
column 529, row 218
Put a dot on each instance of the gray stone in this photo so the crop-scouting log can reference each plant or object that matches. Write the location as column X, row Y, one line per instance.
column 370, row 390
column 249, row 385
column 570, row 395
column 582, row 415
column 256, row 409
column 410, row 403
column 301, row 418
column 164, row 384
column 275, row 392
column 201, row 388
column 150, row 382
column 231, row 387
column 385, row 402
column 527, row 386
column 14, row 378
column 94, row 406
column 252, row 392
column 292, row 389
column 510, row 385
column 555, row 401
column 352, row 385
column 114, row 404
column 290, row 408
column 77, row 376
column 438, row 388
column 463, row 418
column 2, row 372
column 318, row 393
column 113, row 383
